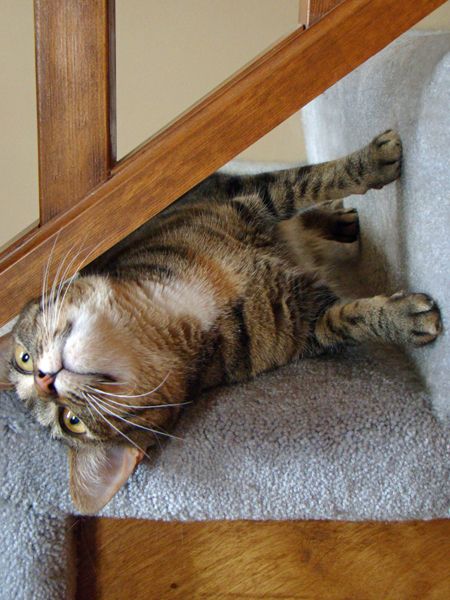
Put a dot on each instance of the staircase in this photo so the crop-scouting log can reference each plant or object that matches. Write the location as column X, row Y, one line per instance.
column 354, row 437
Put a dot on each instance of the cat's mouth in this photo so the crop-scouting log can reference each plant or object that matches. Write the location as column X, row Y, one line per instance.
column 52, row 385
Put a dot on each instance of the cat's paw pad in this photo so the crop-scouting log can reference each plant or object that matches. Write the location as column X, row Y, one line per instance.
column 417, row 316
column 385, row 157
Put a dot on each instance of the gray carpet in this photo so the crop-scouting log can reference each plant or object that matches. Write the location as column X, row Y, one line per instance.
column 406, row 242
column 35, row 557
column 344, row 437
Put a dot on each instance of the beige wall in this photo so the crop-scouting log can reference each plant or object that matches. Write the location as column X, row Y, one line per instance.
column 18, row 148
column 170, row 53
column 189, row 47
column 437, row 20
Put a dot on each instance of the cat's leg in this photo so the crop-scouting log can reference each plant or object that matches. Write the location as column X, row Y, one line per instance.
column 398, row 319
column 281, row 194
column 285, row 314
column 373, row 166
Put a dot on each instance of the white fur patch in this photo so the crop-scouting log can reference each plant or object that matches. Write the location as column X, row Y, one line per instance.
column 95, row 345
column 50, row 361
column 25, row 386
column 182, row 298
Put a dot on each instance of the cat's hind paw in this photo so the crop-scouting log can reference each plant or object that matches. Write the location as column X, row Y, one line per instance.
column 344, row 225
column 417, row 316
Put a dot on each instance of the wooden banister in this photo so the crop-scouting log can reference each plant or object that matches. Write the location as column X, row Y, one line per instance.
column 235, row 115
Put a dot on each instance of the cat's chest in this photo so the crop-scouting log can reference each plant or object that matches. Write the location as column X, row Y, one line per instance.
column 196, row 299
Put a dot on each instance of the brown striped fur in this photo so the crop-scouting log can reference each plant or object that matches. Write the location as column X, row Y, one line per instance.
column 234, row 279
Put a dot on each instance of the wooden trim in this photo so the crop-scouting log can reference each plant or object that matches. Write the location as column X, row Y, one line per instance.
column 227, row 121
column 295, row 560
column 74, row 77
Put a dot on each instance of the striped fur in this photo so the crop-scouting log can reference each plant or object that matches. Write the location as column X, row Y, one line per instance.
column 232, row 280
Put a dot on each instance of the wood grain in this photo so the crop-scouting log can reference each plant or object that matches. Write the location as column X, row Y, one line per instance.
column 318, row 9
column 307, row 560
column 75, row 90
column 231, row 118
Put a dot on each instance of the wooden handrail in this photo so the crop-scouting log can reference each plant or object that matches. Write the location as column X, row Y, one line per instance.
column 235, row 115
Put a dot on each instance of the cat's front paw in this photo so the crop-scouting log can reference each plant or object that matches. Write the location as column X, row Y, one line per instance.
column 385, row 159
column 416, row 317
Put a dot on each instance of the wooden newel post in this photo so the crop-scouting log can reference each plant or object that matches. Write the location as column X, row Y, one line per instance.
column 75, row 99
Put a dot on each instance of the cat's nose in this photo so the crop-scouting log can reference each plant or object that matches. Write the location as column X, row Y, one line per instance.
column 46, row 382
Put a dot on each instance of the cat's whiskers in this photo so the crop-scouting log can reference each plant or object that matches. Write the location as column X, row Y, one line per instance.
column 107, row 420
column 74, row 276
column 88, row 406
column 118, row 430
column 57, row 301
column 125, row 408
column 131, row 395
column 44, row 296
column 134, row 406
column 53, row 300
column 103, row 405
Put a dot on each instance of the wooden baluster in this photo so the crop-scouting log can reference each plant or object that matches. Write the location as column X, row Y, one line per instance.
column 303, row 12
column 75, row 89
column 312, row 11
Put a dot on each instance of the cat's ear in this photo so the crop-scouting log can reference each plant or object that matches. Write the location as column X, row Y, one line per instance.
column 98, row 472
column 6, row 348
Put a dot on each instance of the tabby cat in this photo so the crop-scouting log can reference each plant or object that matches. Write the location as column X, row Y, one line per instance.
column 234, row 279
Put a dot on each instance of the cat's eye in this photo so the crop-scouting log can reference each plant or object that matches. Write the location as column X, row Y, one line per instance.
column 71, row 423
column 23, row 359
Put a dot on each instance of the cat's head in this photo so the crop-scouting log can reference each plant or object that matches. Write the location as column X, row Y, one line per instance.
column 79, row 362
